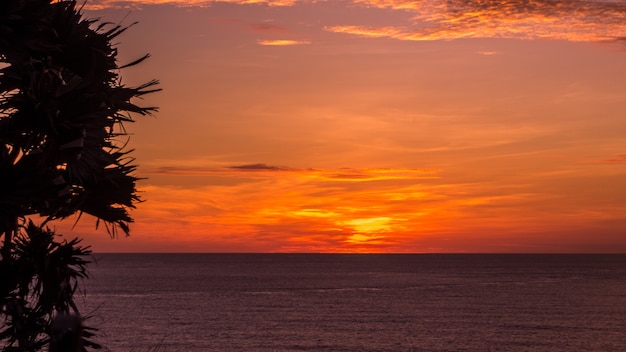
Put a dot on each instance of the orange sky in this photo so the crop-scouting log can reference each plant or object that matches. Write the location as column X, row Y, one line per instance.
column 376, row 126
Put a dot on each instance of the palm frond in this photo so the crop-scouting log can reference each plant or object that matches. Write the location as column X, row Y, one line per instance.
column 63, row 105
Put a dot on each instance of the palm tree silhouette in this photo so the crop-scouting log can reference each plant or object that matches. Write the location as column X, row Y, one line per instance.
column 62, row 110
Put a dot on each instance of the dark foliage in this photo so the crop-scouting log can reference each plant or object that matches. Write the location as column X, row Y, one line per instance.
column 62, row 106
column 38, row 286
column 62, row 109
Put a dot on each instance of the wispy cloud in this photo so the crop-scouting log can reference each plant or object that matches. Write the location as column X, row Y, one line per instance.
column 289, row 209
column 297, row 209
column 572, row 20
column 257, row 167
column 282, row 42
column 101, row 4
column 281, row 208
column 261, row 170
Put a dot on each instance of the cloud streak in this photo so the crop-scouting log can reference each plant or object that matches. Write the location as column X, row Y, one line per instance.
column 262, row 171
column 256, row 167
column 341, row 210
column 289, row 209
column 282, row 42
column 571, row 20
column 102, row 4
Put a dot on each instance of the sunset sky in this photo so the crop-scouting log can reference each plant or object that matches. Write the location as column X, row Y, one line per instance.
column 376, row 126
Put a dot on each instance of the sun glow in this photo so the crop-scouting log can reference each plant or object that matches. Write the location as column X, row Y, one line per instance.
column 378, row 125
column 370, row 225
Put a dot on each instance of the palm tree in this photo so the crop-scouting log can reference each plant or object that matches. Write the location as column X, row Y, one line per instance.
column 38, row 293
column 62, row 110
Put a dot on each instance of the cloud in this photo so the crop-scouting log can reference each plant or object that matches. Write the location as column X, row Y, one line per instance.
column 260, row 170
column 288, row 209
column 179, row 170
column 258, row 167
column 303, row 210
column 246, row 170
column 102, row 4
column 363, row 175
column 572, row 20
column 282, row 42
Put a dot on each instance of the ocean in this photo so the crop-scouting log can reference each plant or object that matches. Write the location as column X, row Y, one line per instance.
column 354, row 302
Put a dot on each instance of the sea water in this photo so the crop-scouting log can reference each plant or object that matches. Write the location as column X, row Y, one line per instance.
column 335, row 302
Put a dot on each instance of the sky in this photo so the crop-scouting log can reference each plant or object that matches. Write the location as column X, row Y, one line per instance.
column 375, row 126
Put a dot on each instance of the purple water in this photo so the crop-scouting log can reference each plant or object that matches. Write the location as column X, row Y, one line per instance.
column 318, row 302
